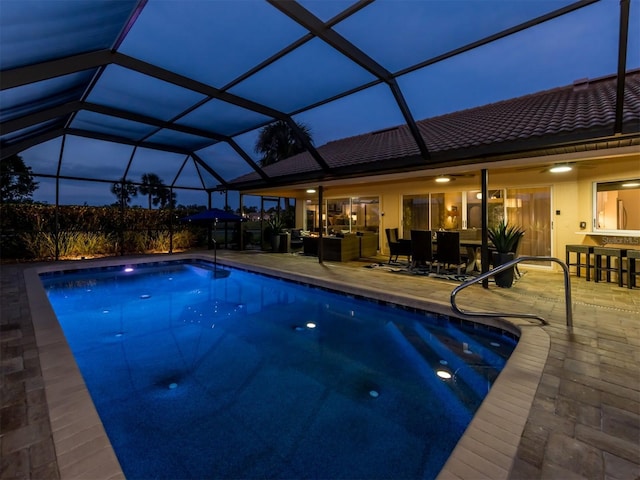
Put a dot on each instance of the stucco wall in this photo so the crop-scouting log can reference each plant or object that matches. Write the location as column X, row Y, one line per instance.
column 571, row 195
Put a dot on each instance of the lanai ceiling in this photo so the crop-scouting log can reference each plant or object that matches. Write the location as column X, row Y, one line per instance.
column 102, row 90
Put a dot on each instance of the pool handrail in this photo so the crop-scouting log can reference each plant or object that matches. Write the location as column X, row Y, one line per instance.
column 505, row 266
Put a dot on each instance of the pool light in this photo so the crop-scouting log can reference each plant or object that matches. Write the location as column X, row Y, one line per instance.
column 444, row 374
column 311, row 325
column 128, row 269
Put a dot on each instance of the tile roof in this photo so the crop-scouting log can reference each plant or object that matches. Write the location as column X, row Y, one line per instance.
column 582, row 111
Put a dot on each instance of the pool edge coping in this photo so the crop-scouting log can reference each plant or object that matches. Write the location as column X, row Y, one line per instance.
column 487, row 448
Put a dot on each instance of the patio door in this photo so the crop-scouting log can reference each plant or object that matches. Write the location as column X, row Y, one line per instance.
column 530, row 208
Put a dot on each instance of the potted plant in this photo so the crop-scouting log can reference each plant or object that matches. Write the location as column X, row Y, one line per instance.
column 275, row 227
column 505, row 240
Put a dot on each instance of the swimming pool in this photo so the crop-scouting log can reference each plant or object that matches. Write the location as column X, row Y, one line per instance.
column 343, row 406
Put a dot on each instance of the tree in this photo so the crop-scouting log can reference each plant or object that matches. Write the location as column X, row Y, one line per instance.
column 124, row 191
column 16, row 180
column 165, row 197
column 277, row 141
column 157, row 191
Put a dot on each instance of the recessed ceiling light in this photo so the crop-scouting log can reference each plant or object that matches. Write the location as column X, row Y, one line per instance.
column 442, row 179
column 311, row 190
column 631, row 184
column 560, row 169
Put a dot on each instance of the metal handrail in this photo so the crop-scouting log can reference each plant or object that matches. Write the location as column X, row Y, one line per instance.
column 505, row 266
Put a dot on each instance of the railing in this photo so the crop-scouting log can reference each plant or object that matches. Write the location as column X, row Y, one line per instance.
column 505, row 266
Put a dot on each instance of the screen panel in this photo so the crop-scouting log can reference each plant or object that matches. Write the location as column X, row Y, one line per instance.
column 74, row 192
column 164, row 164
column 325, row 11
column 43, row 158
column 223, row 118
column 131, row 91
column 97, row 122
column 213, row 42
column 34, row 97
column 303, row 77
column 225, row 161
column 174, row 138
column 372, row 109
column 91, row 158
column 189, row 176
column 27, row 28
column 432, row 28
column 549, row 55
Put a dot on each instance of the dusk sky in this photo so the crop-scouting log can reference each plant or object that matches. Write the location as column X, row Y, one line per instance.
column 215, row 42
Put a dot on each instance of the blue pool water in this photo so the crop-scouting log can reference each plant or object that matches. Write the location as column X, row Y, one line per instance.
column 204, row 373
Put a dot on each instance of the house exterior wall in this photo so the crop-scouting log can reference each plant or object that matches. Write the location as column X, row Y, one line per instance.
column 571, row 195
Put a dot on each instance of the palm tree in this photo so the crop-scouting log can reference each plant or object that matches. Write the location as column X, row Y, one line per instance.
column 277, row 141
column 152, row 186
column 124, row 191
column 165, row 197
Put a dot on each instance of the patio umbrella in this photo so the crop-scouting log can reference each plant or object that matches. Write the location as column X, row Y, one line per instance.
column 213, row 215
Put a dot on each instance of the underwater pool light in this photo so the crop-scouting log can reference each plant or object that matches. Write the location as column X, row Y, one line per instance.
column 311, row 325
column 173, row 386
column 374, row 394
column 128, row 269
column 443, row 374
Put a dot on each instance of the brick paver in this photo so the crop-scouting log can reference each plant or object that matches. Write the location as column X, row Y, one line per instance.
column 584, row 422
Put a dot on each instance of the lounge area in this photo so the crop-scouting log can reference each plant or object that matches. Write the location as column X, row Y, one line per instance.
column 342, row 248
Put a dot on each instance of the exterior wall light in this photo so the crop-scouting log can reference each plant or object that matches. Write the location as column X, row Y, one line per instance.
column 560, row 169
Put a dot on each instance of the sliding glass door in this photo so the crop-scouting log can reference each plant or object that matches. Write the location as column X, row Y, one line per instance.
column 530, row 208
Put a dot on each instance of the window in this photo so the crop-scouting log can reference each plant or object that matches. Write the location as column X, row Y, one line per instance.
column 616, row 206
column 345, row 215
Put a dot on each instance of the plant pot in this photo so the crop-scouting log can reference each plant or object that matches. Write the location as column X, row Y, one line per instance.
column 285, row 243
column 275, row 243
column 504, row 279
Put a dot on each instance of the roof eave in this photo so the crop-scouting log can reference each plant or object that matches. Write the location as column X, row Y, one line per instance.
column 575, row 141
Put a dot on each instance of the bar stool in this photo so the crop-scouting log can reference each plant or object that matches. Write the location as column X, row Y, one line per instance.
column 579, row 250
column 609, row 253
column 632, row 256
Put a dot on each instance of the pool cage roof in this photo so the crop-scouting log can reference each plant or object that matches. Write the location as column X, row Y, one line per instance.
column 103, row 90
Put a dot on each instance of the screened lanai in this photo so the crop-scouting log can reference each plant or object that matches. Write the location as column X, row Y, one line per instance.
column 96, row 92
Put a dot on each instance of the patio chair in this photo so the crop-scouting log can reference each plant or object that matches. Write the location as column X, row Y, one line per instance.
column 421, row 249
column 397, row 246
column 448, row 251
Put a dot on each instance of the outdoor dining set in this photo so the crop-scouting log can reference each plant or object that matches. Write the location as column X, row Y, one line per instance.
column 437, row 249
